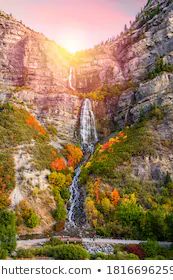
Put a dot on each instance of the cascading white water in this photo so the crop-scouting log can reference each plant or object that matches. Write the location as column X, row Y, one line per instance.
column 88, row 131
column 71, row 79
column 75, row 195
column 88, row 134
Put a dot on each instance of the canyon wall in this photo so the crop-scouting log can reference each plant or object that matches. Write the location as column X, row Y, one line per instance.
column 40, row 70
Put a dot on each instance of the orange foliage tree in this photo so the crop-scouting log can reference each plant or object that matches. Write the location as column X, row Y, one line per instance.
column 115, row 197
column 117, row 139
column 58, row 164
column 31, row 121
column 74, row 155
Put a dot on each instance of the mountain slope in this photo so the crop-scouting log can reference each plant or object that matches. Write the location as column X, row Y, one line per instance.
column 130, row 81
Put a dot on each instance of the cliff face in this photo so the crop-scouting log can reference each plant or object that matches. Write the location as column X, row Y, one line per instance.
column 133, row 54
column 30, row 60
column 40, row 76
column 28, row 57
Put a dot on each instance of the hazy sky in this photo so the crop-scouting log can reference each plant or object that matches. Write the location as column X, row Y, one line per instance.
column 74, row 24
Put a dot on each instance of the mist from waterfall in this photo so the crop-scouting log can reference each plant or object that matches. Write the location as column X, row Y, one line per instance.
column 88, row 134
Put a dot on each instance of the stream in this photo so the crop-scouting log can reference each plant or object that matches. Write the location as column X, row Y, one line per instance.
column 88, row 135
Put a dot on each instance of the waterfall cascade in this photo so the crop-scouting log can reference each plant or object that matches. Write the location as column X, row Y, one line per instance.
column 88, row 134
column 88, row 131
column 72, row 78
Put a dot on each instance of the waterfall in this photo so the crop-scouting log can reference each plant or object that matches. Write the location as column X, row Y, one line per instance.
column 75, row 198
column 71, row 79
column 88, row 131
column 88, row 134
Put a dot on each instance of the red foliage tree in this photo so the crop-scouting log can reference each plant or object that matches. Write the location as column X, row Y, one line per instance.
column 136, row 249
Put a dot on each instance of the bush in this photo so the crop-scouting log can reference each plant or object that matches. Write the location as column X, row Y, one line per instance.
column 57, row 179
column 58, row 252
column 136, row 250
column 3, row 254
column 7, row 230
column 25, row 253
column 4, row 201
column 125, row 256
column 74, row 155
column 32, row 220
column 160, row 67
column 53, row 242
column 7, row 175
column 65, row 193
column 60, row 212
column 68, row 252
column 151, row 248
column 27, row 215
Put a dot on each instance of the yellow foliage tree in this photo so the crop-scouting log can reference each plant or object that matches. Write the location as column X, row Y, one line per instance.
column 74, row 155
column 93, row 215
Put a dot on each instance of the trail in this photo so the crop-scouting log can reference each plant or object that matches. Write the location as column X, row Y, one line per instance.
column 90, row 241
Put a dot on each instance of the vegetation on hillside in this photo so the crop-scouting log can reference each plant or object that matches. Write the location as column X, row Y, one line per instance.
column 19, row 127
column 160, row 67
column 60, row 180
column 118, row 203
column 107, row 91
column 7, row 233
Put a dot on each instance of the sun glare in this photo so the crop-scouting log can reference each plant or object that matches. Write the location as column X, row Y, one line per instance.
column 72, row 40
column 72, row 45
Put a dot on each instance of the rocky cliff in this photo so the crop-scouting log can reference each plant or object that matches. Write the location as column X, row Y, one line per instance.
column 136, row 68
column 31, row 61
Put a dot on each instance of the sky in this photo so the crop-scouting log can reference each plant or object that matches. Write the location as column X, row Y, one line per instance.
column 74, row 24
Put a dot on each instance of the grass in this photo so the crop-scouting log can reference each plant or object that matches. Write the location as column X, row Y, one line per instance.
column 43, row 154
column 139, row 143
column 14, row 129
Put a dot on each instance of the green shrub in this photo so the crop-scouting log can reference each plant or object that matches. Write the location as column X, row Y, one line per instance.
column 125, row 256
column 67, row 252
column 3, row 254
column 7, row 230
column 160, row 67
column 25, row 214
column 32, row 220
column 53, row 242
column 60, row 212
column 25, row 253
column 151, row 248
column 65, row 193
